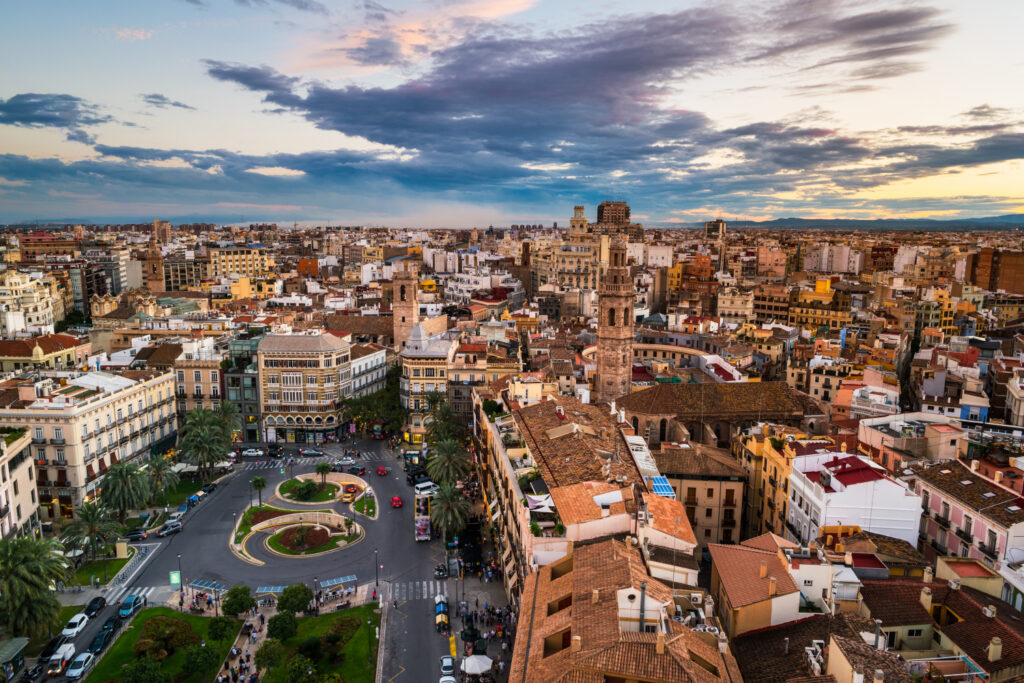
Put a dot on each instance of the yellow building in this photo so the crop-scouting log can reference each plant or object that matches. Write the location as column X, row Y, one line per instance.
column 52, row 352
column 246, row 261
column 424, row 371
column 818, row 308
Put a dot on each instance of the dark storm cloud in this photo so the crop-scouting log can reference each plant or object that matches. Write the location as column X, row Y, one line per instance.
column 163, row 102
column 49, row 110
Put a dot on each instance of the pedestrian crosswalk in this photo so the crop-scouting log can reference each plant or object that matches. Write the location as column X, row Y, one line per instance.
column 418, row 590
column 122, row 592
column 283, row 462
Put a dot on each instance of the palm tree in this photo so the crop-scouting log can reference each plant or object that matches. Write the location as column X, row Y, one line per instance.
column 29, row 569
column 228, row 413
column 322, row 468
column 449, row 510
column 204, row 439
column 433, row 399
column 448, row 463
column 445, row 424
column 91, row 529
column 161, row 475
column 125, row 487
column 259, row 483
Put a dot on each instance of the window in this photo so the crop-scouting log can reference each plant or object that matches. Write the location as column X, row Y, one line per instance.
column 181, row 375
column 707, row 533
column 214, row 376
column 711, row 493
column 311, row 379
column 914, row 633
column 39, row 433
column 59, row 455
column 808, row 582
column 707, row 512
column 58, row 433
column 120, row 415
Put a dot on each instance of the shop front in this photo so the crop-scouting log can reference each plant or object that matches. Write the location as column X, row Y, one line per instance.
column 301, row 430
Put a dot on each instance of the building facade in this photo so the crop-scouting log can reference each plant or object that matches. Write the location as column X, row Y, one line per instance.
column 615, row 328
column 19, row 504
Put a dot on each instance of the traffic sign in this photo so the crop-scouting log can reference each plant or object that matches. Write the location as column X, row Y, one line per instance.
column 175, row 578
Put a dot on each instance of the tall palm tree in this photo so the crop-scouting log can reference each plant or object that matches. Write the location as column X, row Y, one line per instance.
column 433, row 399
column 232, row 419
column 161, row 476
column 449, row 510
column 29, row 568
column 259, row 483
column 91, row 529
column 204, row 439
column 125, row 487
column 448, row 463
column 322, row 468
column 445, row 424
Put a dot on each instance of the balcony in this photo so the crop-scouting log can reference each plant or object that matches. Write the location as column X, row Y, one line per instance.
column 942, row 521
column 38, row 439
column 121, row 420
column 729, row 502
column 965, row 535
column 4, row 510
column 690, row 501
column 771, row 480
column 988, row 551
column 939, row 548
column 771, row 503
column 729, row 523
column 57, row 441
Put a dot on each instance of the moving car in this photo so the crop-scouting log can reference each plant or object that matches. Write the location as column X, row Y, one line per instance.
column 113, row 623
column 253, row 453
column 347, row 497
column 33, row 673
column 275, row 450
column 75, row 625
column 210, row 488
column 100, row 641
column 79, row 666
column 396, row 502
column 60, row 659
column 447, row 665
column 310, row 452
column 351, row 488
column 426, row 488
column 95, row 606
column 130, row 605
column 169, row 528
column 358, row 470
column 52, row 647
column 346, row 460
column 447, row 679
column 136, row 535
column 383, row 471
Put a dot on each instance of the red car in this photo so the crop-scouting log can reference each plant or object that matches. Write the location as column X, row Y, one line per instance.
column 383, row 471
column 351, row 488
column 396, row 502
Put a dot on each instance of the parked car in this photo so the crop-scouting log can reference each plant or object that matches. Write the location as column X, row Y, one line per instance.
column 52, row 647
column 95, row 606
column 358, row 470
column 275, row 450
column 396, row 502
column 79, row 666
column 447, row 665
column 253, row 453
column 414, row 474
column 113, row 623
column 129, row 606
column 75, row 625
column 136, row 535
column 210, row 488
column 60, row 659
column 313, row 452
column 169, row 528
column 100, row 641
column 426, row 488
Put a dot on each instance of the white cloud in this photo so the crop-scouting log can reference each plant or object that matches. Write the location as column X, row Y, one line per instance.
column 276, row 171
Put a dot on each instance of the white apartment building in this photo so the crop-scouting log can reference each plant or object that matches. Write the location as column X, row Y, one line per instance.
column 82, row 423
column 369, row 369
column 830, row 489
column 25, row 305
column 19, row 505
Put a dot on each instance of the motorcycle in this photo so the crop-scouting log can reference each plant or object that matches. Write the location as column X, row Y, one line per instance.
column 440, row 572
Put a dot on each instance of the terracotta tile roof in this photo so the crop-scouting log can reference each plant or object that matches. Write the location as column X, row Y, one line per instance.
column 947, row 476
column 360, row 350
column 892, row 551
column 769, row 541
column 668, row 516
column 605, row 650
column 50, row 343
column 870, row 658
column 576, row 504
column 739, row 568
column 160, row 355
column 697, row 459
column 372, row 325
column 763, row 655
column 753, row 400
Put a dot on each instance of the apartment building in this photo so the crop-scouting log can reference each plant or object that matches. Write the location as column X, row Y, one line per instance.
column 735, row 305
column 199, row 378
column 49, row 352
column 25, row 305
column 424, row 371
column 247, row 261
column 19, row 505
column 82, row 423
column 242, row 383
column 303, row 378
column 369, row 369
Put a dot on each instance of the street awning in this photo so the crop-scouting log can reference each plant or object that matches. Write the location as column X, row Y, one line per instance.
column 495, row 515
column 207, row 585
column 270, row 590
column 330, row 583
column 505, row 555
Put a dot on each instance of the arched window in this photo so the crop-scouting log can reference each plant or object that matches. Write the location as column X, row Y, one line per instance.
column 636, row 425
column 663, row 430
column 611, row 317
column 625, row 315
column 401, row 293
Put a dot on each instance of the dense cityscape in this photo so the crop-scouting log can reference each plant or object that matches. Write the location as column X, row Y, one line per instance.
column 512, row 341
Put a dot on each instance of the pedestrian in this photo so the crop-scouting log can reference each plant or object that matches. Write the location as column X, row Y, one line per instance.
column 478, row 603
column 501, row 666
column 395, row 603
column 263, row 618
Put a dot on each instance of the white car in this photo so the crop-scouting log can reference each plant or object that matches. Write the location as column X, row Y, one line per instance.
column 447, row 665
column 80, row 666
column 253, row 453
column 75, row 626
column 447, row 679
column 346, row 460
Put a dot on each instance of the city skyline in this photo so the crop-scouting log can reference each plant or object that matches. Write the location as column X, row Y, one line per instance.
column 469, row 113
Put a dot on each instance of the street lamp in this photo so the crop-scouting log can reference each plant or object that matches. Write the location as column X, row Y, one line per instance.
column 250, row 493
column 181, row 579
column 376, row 568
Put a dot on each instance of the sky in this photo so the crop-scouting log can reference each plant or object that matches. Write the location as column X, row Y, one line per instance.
column 458, row 113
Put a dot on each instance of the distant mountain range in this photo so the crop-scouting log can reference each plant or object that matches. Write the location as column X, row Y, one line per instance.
column 1015, row 220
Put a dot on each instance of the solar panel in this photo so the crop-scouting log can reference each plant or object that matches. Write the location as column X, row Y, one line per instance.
column 661, row 487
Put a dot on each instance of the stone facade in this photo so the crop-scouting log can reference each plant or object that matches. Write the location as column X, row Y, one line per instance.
column 406, row 309
column 614, row 328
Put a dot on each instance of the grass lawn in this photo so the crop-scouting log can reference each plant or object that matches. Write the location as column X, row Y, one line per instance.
column 133, row 523
column 367, row 505
column 113, row 566
column 325, row 494
column 357, row 640
column 332, row 543
column 36, row 645
column 245, row 526
column 120, row 653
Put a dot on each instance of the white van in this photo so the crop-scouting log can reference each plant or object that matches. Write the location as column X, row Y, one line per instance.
column 426, row 488
column 176, row 517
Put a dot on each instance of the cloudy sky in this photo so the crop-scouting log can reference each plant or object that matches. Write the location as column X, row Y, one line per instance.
column 472, row 112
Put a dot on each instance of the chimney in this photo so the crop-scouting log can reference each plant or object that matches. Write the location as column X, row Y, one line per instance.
column 772, row 586
column 974, row 465
column 786, row 641
column 594, row 595
column 995, row 649
column 954, row 584
column 659, row 643
column 723, row 643
column 926, row 599
column 858, row 674
column 764, row 569
column 989, row 611
column 848, row 559
column 577, row 644
column 999, row 476
column 878, row 634
column 879, row 676
column 929, row 575
column 27, row 392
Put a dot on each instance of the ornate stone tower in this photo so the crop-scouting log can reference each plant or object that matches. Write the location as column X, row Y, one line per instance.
column 405, row 308
column 614, row 328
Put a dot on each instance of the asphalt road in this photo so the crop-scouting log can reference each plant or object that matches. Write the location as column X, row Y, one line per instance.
column 405, row 571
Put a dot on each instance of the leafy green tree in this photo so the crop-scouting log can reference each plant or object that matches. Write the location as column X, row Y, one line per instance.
column 29, row 568
column 445, row 424
column 144, row 670
column 199, row 659
column 448, row 463
column 270, row 653
column 161, row 477
column 323, row 468
column 204, row 439
column 125, row 487
column 238, row 599
column 91, row 528
column 299, row 669
column 295, row 598
column 282, row 626
column 222, row 628
column 259, row 483
column 449, row 510
column 228, row 413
